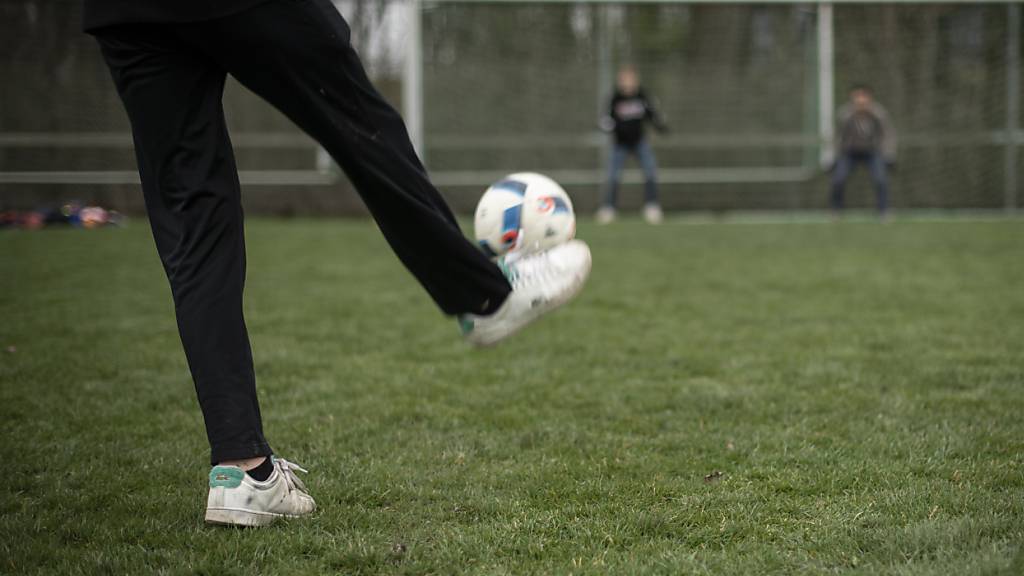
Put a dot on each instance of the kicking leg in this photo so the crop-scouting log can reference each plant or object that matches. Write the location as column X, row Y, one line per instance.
column 297, row 56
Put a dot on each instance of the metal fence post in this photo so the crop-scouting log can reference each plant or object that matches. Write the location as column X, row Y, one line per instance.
column 809, row 129
column 1012, row 104
column 605, row 78
column 412, row 83
column 826, row 83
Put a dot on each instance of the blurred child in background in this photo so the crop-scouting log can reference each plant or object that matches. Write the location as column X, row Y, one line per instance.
column 629, row 111
column 864, row 135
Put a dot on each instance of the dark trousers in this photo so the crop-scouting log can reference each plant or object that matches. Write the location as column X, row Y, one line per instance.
column 617, row 161
column 845, row 164
column 295, row 54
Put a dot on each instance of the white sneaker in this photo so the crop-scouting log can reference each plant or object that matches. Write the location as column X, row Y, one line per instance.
column 540, row 282
column 605, row 215
column 652, row 213
column 238, row 499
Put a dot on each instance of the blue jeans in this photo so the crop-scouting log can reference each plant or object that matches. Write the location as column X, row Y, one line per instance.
column 617, row 161
column 845, row 164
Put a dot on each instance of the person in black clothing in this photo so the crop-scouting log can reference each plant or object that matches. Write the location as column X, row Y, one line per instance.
column 629, row 111
column 169, row 61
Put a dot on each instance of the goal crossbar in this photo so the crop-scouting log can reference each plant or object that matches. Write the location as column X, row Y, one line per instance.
column 627, row 2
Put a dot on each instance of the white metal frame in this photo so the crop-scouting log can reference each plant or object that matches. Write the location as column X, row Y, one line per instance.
column 1013, row 89
column 413, row 106
column 826, row 84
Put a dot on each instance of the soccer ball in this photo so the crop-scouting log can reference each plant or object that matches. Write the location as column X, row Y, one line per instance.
column 525, row 211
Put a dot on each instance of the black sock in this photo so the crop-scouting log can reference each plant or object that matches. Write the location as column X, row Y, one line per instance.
column 263, row 471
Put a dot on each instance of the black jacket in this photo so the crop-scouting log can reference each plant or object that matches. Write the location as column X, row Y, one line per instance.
column 628, row 114
column 100, row 13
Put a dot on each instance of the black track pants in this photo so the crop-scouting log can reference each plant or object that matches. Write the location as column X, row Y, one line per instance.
column 295, row 54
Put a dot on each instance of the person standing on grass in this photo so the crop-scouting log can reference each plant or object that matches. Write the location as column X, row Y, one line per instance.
column 169, row 61
column 628, row 112
column 864, row 135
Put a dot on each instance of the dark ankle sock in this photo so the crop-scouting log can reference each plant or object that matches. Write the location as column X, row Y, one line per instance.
column 263, row 471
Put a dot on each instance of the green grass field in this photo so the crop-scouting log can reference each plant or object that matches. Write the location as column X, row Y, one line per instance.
column 723, row 398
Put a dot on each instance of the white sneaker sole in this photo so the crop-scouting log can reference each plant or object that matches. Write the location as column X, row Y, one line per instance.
column 241, row 517
column 574, row 289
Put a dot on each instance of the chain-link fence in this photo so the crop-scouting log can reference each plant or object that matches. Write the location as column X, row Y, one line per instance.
column 511, row 86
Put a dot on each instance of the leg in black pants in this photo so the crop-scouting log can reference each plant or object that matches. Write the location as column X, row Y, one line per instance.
column 296, row 54
column 173, row 98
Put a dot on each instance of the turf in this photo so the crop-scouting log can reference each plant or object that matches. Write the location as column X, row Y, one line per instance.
column 723, row 398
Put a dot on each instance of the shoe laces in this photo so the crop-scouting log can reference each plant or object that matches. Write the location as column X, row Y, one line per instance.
column 287, row 470
column 526, row 270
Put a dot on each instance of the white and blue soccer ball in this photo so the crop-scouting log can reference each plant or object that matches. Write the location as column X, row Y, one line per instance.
column 527, row 212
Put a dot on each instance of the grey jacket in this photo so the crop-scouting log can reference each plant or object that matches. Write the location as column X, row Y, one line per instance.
column 865, row 131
